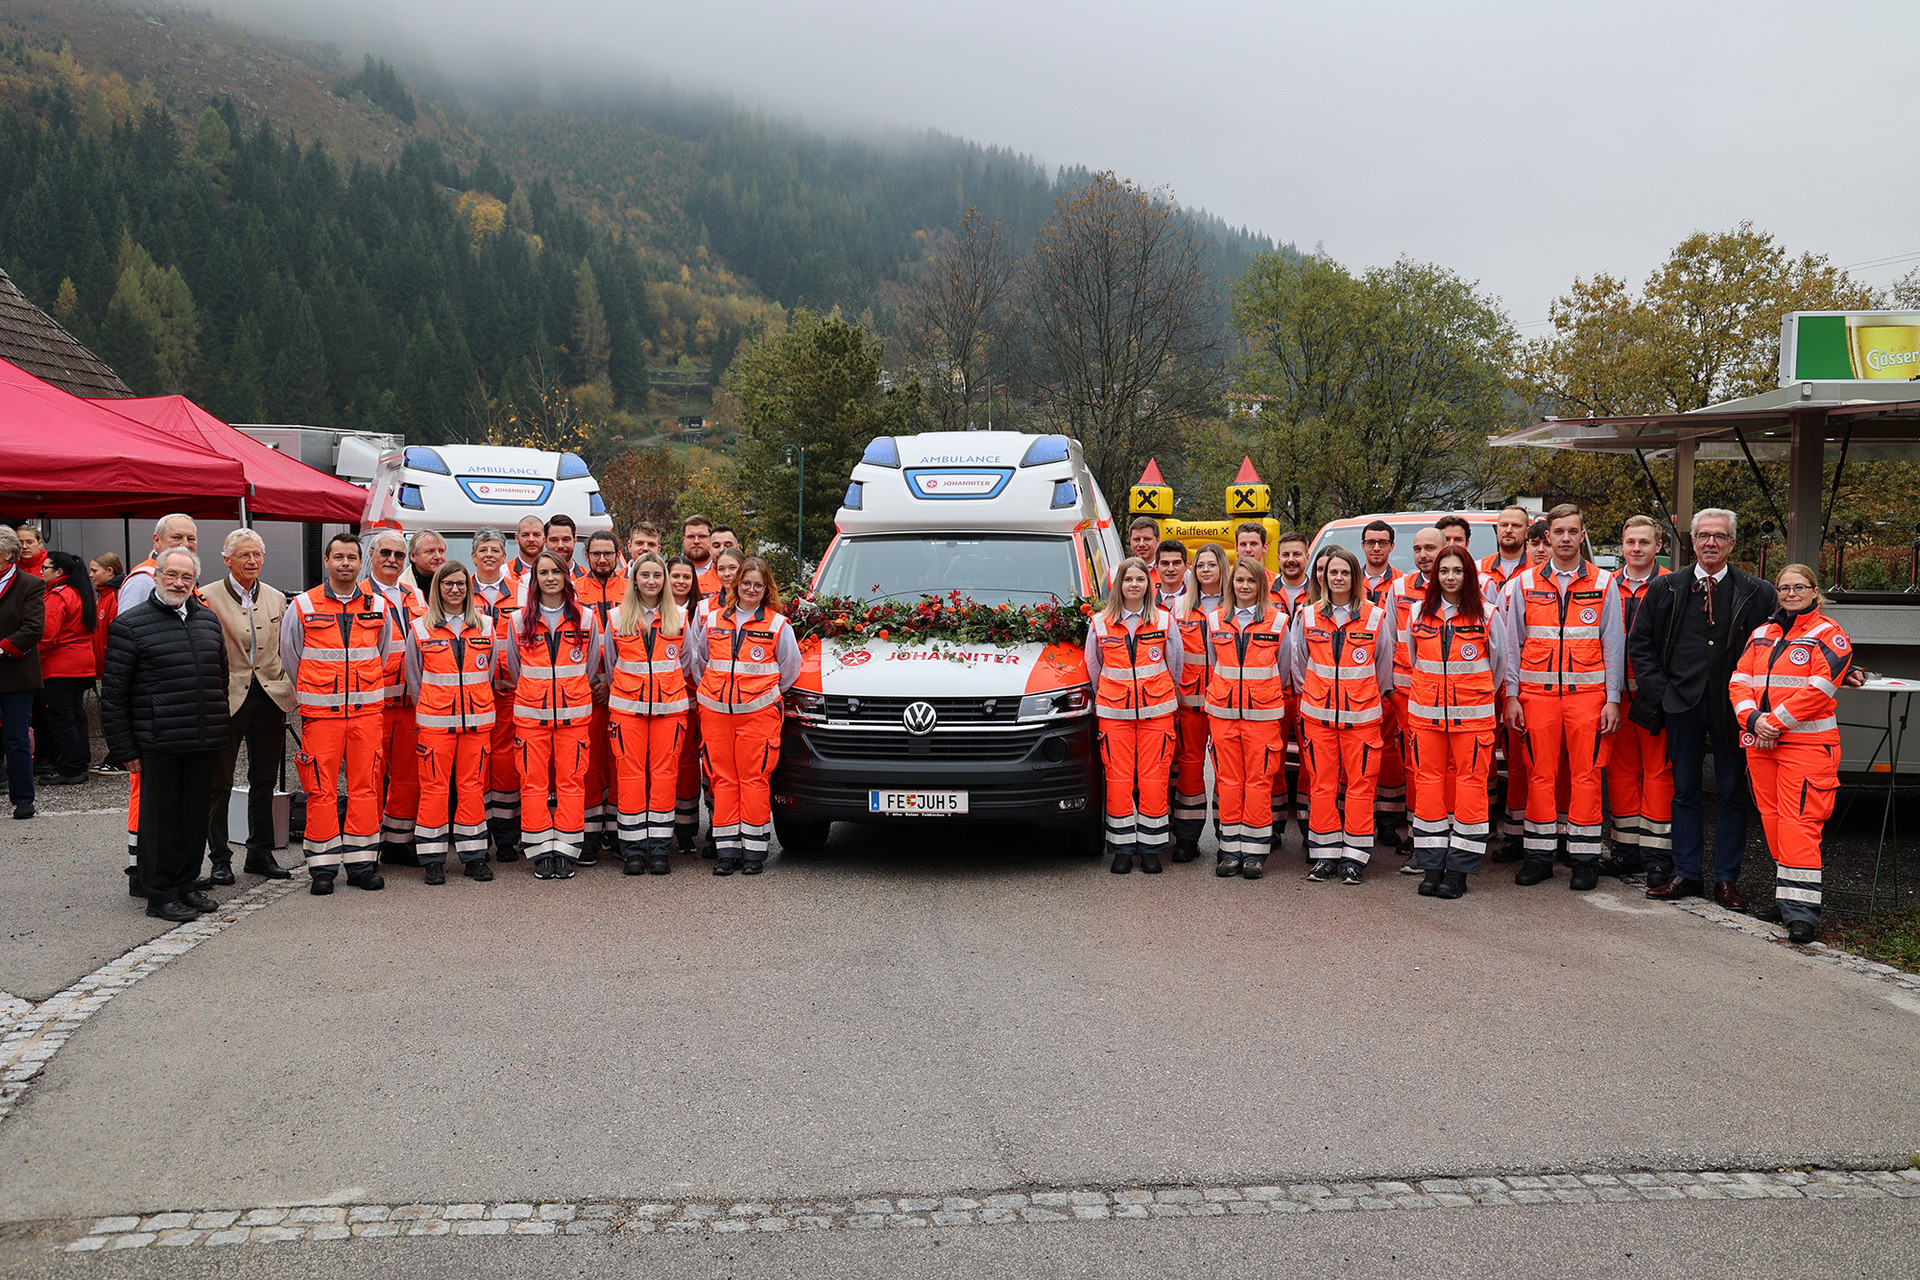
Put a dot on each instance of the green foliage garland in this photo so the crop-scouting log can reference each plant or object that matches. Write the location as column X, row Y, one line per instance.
column 939, row 620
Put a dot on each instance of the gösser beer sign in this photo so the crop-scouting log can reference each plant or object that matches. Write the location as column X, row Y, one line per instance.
column 1847, row 346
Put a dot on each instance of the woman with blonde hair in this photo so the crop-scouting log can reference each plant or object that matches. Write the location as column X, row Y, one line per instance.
column 1340, row 653
column 646, row 662
column 1784, row 701
column 1133, row 656
column 745, row 658
column 450, row 661
column 1246, row 717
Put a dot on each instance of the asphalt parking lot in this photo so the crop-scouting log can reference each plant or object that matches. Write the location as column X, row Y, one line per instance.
column 912, row 1012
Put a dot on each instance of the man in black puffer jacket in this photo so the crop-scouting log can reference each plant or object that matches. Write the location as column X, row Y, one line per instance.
column 163, row 705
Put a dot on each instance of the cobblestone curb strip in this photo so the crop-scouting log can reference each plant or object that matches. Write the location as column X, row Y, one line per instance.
column 30, row 1034
column 525, row 1218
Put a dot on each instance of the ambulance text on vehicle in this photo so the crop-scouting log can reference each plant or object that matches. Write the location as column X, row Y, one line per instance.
column 455, row 489
column 887, row 731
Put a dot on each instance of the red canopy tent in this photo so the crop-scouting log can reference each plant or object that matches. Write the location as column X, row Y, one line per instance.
column 282, row 488
column 61, row 455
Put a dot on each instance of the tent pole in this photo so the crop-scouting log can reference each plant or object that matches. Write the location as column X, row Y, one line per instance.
column 1683, row 502
column 245, row 523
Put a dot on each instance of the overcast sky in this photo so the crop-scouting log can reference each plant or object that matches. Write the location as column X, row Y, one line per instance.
column 1520, row 144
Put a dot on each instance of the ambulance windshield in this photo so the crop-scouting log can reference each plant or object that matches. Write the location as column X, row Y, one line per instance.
column 993, row 568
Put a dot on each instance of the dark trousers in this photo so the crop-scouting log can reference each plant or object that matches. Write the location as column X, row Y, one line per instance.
column 263, row 727
column 60, row 726
column 1690, row 735
column 15, row 710
column 173, row 820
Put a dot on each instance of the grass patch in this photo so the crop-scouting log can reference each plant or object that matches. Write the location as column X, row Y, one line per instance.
column 1889, row 937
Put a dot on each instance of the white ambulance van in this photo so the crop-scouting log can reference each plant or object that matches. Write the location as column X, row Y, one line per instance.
column 455, row 489
column 911, row 733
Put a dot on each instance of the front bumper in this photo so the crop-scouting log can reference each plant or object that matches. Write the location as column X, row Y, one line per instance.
column 824, row 774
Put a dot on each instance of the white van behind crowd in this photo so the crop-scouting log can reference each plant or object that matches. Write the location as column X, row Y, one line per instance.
column 456, row 489
column 884, row 731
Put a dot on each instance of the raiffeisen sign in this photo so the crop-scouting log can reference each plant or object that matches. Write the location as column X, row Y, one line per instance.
column 1849, row 346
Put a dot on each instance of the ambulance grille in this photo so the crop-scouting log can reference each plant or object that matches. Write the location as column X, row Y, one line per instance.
column 893, row 748
column 952, row 710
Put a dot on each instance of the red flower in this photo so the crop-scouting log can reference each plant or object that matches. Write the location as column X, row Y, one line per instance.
column 881, row 634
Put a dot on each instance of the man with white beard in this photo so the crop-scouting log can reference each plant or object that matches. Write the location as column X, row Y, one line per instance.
column 163, row 706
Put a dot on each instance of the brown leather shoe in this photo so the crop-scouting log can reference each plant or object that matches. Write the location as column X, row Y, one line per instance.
column 1676, row 888
column 1727, row 894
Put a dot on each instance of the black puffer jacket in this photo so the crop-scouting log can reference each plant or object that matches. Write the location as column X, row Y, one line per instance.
column 164, row 689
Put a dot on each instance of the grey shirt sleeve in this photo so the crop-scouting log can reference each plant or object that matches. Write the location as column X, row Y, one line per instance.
column 414, row 666
column 786, row 651
column 293, row 639
column 1383, row 655
column 1613, row 642
column 1514, row 629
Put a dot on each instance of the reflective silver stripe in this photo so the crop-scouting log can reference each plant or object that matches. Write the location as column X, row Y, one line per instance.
column 1825, row 686
column 360, row 698
column 1327, row 716
column 633, row 707
column 552, row 715
column 1562, row 677
column 768, row 699
column 1193, row 699
column 455, row 678
column 478, row 720
column 1238, row 713
column 1773, row 681
column 1464, row 668
column 747, row 668
column 1150, row 712
column 647, row 668
column 1339, row 673
column 1472, row 711
column 1805, row 875
column 1813, row 726
column 563, row 671
column 1247, row 673
column 308, row 654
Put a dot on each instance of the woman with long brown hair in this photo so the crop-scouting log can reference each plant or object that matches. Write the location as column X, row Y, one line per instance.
column 647, row 660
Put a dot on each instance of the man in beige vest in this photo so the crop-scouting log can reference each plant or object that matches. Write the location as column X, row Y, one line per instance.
column 259, row 697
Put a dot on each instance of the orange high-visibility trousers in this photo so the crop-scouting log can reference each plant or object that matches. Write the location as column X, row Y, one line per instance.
column 1291, row 786
column 1189, row 773
column 603, row 774
column 1794, row 784
column 1248, row 755
column 1450, row 817
column 1138, row 755
column 1346, row 765
column 403, row 779
column 1640, row 791
column 686, row 791
column 452, row 769
column 1390, row 786
column 553, row 760
column 647, row 753
column 325, row 745
column 739, row 751
column 503, row 783
column 1563, row 737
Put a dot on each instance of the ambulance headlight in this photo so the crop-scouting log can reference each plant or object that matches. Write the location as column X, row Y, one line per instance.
column 1043, row 706
column 805, row 702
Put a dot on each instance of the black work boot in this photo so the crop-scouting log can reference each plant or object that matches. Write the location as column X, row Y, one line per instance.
column 221, row 872
column 1583, row 875
column 1452, row 884
column 1227, row 864
column 1253, row 866
column 1533, row 871
column 1150, row 861
column 1510, row 850
column 1122, row 862
column 1430, row 883
column 1185, row 851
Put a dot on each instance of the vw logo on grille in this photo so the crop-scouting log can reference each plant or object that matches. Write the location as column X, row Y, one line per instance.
column 919, row 717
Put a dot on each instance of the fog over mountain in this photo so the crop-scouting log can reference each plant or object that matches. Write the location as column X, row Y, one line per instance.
column 1519, row 144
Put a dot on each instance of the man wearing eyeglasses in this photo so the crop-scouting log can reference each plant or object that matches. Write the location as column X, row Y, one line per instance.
column 397, row 740
column 163, row 708
column 1687, row 634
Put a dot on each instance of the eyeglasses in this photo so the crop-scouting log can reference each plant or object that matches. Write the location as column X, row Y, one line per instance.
column 1376, row 542
column 1793, row 588
column 391, row 555
column 1713, row 537
column 177, row 577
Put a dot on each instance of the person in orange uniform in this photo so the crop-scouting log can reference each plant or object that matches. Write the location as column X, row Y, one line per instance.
column 1458, row 656
column 496, row 595
column 1133, row 656
column 646, row 665
column 1785, row 691
column 722, row 568
column 169, row 531
column 601, row 588
column 1340, row 654
column 1639, row 775
column 387, row 561
column 1177, row 591
column 696, row 544
column 1290, row 588
column 334, row 642
column 529, row 539
column 1246, row 717
column 1496, row 571
column 1563, row 694
column 451, row 658
column 744, row 660
column 553, row 658
column 683, row 584
column 1394, row 769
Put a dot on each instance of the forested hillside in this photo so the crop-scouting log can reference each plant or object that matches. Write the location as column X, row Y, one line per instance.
column 288, row 233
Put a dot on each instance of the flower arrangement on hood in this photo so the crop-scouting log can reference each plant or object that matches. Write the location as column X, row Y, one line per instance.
column 953, row 618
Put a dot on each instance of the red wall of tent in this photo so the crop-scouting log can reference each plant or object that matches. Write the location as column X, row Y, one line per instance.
column 61, row 455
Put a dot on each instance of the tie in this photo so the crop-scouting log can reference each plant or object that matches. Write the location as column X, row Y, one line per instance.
column 1704, row 586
